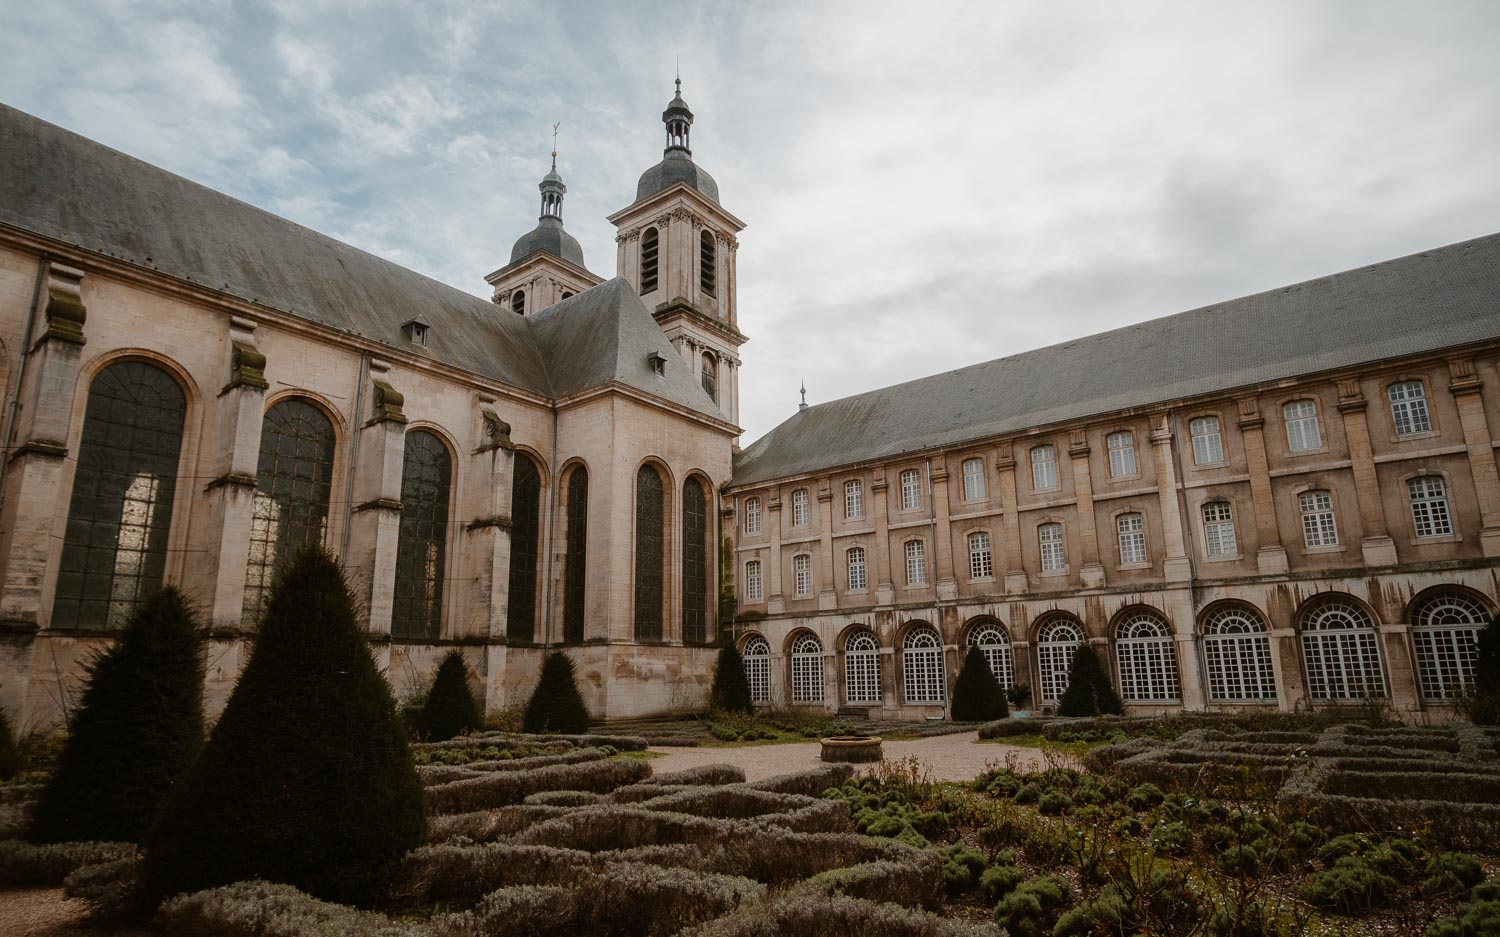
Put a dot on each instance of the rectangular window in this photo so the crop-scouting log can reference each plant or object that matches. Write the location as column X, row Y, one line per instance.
column 752, row 581
column 1051, row 538
column 1218, row 529
column 856, row 568
column 1131, row 530
column 1302, row 434
column 916, row 563
column 799, row 508
column 1043, row 468
column 802, row 574
column 1121, row 454
column 1429, row 506
column 981, row 563
column 1318, row 526
column 1208, row 445
column 752, row 516
column 911, row 490
column 1409, row 408
column 854, row 499
column 974, row 488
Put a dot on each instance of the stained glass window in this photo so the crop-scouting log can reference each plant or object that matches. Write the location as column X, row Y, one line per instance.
column 694, row 562
column 525, row 541
column 650, row 554
column 120, row 512
column 421, row 554
column 575, row 567
column 293, row 485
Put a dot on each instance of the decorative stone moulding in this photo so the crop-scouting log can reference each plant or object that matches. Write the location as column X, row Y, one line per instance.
column 852, row 749
column 65, row 311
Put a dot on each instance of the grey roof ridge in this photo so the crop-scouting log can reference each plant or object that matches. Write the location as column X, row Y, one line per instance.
column 1101, row 336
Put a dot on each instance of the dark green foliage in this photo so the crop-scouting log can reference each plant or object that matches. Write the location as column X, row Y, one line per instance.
column 556, row 705
column 1089, row 691
column 731, row 688
column 1173, row 838
column 1352, row 886
column 1019, row 695
column 1030, row 909
column 962, row 867
column 450, row 708
column 307, row 778
column 1054, row 803
column 977, row 695
column 1000, row 880
column 1486, row 702
column 1452, row 873
column 136, row 734
column 10, row 752
column 1144, row 796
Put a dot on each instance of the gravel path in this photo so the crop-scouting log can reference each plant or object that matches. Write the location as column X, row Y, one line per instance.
column 948, row 757
column 44, row 912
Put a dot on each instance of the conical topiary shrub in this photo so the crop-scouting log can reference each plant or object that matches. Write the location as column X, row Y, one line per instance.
column 1485, row 705
column 136, row 733
column 10, row 750
column 450, row 708
column 730, row 692
column 556, row 705
column 977, row 695
column 1089, row 691
column 307, row 778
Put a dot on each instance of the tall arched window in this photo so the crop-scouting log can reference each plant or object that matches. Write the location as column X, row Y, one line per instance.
column 807, row 669
column 525, row 545
column 861, row 668
column 1445, row 630
column 922, row 665
column 1056, row 640
column 421, row 548
column 120, row 512
column 758, row 668
column 1148, row 659
column 707, row 258
column 1341, row 652
column 649, row 250
column 293, row 484
column 576, row 562
column 518, row 302
column 694, row 562
column 1237, row 652
column 650, row 554
column 710, row 376
column 994, row 643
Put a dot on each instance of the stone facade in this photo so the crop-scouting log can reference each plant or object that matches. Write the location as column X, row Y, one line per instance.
column 1179, row 525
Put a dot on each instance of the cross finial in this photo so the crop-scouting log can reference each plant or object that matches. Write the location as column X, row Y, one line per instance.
column 803, row 404
column 554, row 145
column 679, row 76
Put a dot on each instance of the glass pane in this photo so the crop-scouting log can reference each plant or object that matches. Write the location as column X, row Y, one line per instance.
column 650, row 554
column 421, row 551
column 525, row 544
column 575, row 570
column 694, row 562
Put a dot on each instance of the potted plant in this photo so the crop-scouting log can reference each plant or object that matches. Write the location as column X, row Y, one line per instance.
column 1020, row 698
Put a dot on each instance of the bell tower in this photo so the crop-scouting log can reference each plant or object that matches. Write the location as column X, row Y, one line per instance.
column 677, row 247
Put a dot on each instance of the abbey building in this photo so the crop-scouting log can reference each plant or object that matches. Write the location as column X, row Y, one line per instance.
column 1286, row 500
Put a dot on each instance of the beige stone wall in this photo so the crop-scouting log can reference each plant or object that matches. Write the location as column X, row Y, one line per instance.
column 1379, row 561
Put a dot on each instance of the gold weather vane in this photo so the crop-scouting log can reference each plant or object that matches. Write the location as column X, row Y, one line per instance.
column 554, row 145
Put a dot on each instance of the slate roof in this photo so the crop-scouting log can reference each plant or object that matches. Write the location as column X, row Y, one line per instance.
column 548, row 236
column 677, row 167
column 1435, row 299
column 63, row 186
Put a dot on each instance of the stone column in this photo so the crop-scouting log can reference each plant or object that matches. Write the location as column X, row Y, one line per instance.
column 1270, row 556
column 1286, row 658
column 885, row 589
column 1400, row 669
column 1010, row 521
column 680, row 268
column 731, row 285
column 376, row 518
column 33, row 472
column 1091, row 569
column 942, row 548
column 1176, row 568
column 1377, row 547
column 1465, row 386
column 775, row 600
column 486, row 554
column 828, row 597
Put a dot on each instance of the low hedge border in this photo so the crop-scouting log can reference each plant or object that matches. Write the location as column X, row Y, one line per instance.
column 810, row 783
column 460, row 875
column 25, row 864
column 636, row 793
column 838, row 914
column 484, row 826
column 442, row 774
column 264, row 909
column 914, row 883
column 703, row 775
column 503, row 788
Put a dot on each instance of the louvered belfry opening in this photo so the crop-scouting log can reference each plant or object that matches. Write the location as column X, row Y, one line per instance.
column 708, row 257
column 649, row 251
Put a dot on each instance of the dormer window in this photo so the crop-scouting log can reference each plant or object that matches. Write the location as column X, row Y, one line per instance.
column 416, row 330
column 518, row 302
column 658, row 363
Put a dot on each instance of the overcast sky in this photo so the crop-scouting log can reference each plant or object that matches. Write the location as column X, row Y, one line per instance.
column 926, row 185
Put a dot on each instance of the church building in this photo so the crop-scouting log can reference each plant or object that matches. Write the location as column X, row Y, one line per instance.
column 1283, row 501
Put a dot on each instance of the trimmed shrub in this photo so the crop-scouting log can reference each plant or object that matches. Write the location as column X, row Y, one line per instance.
column 977, row 695
column 533, row 910
column 701, row 775
column 607, row 827
column 1352, row 886
column 1452, row 873
column 484, row 826
column 803, row 913
column 1030, row 909
column 503, row 788
column 962, row 866
column 10, row 752
column 136, row 734
column 1485, row 706
column 110, row 889
column 1054, row 803
column 450, row 709
column 263, row 909
column 811, row 783
column 910, row 884
column 645, row 790
column 1089, row 691
column 556, row 705
column 442, row 774
column 997, row 881
column 307, row 778
column 26, row 864
column 639, row 899
column 737, row 802
column 730, row 692
column 562, row 799
column 460, row 875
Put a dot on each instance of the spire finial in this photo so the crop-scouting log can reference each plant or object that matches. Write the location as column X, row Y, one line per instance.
column 554, row 145
column 679, row 76
column 803, row 405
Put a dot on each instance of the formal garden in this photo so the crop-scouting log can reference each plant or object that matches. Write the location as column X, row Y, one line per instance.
column 318, row 805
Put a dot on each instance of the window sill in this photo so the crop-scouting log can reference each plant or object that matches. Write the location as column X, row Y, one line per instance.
column 1224, row 558
column 1122, row 478
column 915, row 587
column 856, row 591
column 1411, row 437
column 1222, row 463
column 1053, row 574
column 981, row 578
column 1330, row 548
column 1443, row 538
column 1126, row 567
column 1299, row 453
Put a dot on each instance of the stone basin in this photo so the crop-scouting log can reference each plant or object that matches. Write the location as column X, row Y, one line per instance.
column 853, row 749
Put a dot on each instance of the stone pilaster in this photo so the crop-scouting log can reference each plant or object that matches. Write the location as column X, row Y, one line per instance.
column 775, row 598
column 1176, row 568
column 1270, row 557
column 375, row 522
column 1089, row 568
column 1377, row 546
column 828, row 597
column 885, row 588
column 487, row 531
column 1010, row 519
column 1465, row 386
column 942, row 547
column 34, row 468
